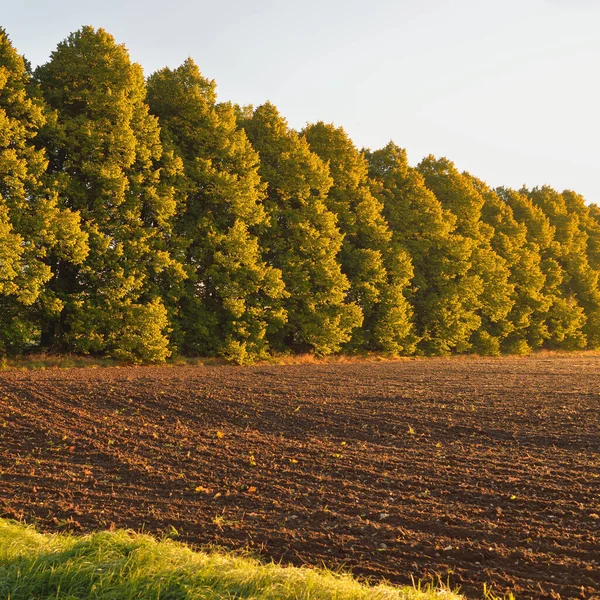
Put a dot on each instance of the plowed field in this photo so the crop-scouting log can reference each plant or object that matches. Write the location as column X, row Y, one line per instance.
column 476, row 470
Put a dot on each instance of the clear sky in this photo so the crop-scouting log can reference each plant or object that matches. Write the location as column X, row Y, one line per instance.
column 509, row 90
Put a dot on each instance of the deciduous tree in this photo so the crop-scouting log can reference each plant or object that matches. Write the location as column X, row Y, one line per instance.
column 104, row 150
column 558, row 321
column 232, row 297
column 303, row 240
column 488, row 274
column 378, row 269
column 445, row 293
column 35, row 229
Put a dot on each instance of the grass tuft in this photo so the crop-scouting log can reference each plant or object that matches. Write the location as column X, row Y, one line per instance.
column 122, row 565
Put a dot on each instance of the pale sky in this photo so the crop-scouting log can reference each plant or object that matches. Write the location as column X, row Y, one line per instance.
column 509, row 90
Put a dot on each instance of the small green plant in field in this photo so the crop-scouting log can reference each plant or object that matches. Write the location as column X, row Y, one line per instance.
column 121, row 565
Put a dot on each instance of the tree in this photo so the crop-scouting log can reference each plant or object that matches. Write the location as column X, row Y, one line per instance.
column 34, row 227
column 509, row 241
column 445, row 294
column 558, row 321
column 232, row 298
column 488, row 271
column 303, row 239
column 592, row 227
column 569, row 216
column 379, row 271
column 104, row 149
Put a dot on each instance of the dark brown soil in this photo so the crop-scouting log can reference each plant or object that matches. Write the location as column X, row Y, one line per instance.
column 476, row 470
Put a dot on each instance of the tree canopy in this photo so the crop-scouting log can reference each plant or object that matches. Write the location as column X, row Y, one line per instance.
column 304, row 240
column 231, row 297
column 141, row 218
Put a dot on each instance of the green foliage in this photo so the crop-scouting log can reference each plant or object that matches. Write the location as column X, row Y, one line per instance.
column 575, row 254
column 139, row 337
column 565, row 323
column 522, row 257
column 231, row 297
column 141, row 218
column 303, row 239
column 33, row 225
column 379, row 271
column 524, row 326
column 445, row 293
column 558, row 320
column 486, row 289
column 104, row 149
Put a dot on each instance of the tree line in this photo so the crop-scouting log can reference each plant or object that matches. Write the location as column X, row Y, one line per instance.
column 142, row 217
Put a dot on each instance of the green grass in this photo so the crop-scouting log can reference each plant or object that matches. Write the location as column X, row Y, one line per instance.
column 123, row 565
